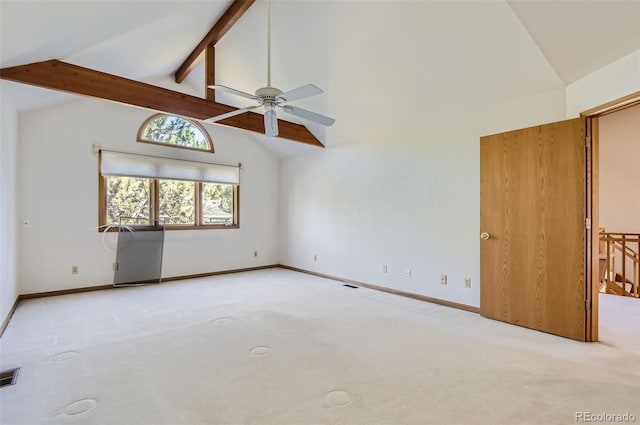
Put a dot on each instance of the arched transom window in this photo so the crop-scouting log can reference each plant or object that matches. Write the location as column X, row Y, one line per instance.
column 178, row 132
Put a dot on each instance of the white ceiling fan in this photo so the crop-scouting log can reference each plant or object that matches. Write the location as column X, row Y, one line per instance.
column 271, row 98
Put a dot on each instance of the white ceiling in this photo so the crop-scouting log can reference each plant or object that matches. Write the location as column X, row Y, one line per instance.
column 580, row 37
column 405, row 58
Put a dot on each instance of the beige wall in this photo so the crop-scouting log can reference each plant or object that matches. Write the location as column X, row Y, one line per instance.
column 619, row 166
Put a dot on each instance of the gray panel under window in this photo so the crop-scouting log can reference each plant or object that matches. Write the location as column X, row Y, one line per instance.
column 139, row 255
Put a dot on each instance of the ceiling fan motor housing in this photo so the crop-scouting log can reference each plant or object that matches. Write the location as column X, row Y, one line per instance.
column 268, row 94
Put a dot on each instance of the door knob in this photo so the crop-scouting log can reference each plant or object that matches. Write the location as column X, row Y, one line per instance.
column 485, row 236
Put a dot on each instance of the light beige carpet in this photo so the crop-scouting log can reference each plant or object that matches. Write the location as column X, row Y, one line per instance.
column 280, row 347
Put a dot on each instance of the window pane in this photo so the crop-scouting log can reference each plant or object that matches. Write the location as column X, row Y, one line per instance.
column 172, row 130
column 177, row 202
column 217, row 204
column 128, row 199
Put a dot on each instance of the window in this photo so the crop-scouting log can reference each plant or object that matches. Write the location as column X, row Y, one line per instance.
column 177, row 201
column 140, row 191
column 217, row 203
column 128, row 197
column 177, row 132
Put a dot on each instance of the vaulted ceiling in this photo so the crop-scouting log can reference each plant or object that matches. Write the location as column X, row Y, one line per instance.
column 366, row 55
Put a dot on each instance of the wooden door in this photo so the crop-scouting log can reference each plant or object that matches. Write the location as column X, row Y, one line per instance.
column 533, row 210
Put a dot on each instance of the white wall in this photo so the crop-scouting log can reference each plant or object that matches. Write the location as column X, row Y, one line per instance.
column 406, row 195
column 404, row 189
column 619, row 155
column 58, row 194
column 8, row 146
column 612, row 82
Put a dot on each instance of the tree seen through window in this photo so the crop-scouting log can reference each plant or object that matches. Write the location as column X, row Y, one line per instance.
column 131, row 201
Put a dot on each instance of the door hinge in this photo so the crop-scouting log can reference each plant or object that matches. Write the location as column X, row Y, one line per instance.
column 587, row 223
column 587, row 141
column 587, row 304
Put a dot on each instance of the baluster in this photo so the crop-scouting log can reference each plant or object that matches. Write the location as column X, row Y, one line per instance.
column 636, row 268
column 624, row 265
column 608, row 271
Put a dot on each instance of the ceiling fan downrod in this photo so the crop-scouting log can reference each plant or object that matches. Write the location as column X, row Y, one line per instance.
column 269, row 46
column 271, row 98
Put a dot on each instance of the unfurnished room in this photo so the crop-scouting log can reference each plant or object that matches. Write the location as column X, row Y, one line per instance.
column 299, row 212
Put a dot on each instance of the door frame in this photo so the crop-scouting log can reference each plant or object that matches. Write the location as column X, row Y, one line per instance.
column 591, row 117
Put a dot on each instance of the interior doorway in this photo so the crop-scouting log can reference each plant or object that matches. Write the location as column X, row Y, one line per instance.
column 532, row 218
column 596, row 249
column 540, row 221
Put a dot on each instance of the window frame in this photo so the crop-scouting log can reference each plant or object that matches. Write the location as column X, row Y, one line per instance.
column 200, row 127
column 154, row 210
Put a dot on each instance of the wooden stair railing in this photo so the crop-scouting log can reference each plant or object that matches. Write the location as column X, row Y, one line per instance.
column 624, row 280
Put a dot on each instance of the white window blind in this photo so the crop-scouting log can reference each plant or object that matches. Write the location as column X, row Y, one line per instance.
column 132, row 165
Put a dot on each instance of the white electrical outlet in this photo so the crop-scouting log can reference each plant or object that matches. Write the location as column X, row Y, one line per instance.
column 443, row 279
column 26, row 223
column 385, row 269
column 467, row 282
column 75, row 270
column 407, row 272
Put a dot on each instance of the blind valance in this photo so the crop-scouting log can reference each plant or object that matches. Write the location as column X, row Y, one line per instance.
column 133, row 165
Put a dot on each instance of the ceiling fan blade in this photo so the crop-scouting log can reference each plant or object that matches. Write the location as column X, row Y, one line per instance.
column 233, row 91
column 308, row 115
column 300, row 93
column 231, row 114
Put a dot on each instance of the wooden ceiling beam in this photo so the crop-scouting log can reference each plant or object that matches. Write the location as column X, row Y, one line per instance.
column 224, row 24
column 210, row 72
column 62, row 76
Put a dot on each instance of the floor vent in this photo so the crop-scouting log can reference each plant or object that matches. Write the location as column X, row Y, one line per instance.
column 350, row 286
column 8, row 377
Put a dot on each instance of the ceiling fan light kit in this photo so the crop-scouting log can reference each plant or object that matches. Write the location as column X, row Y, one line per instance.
column 270, row 121
column 271, row 98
